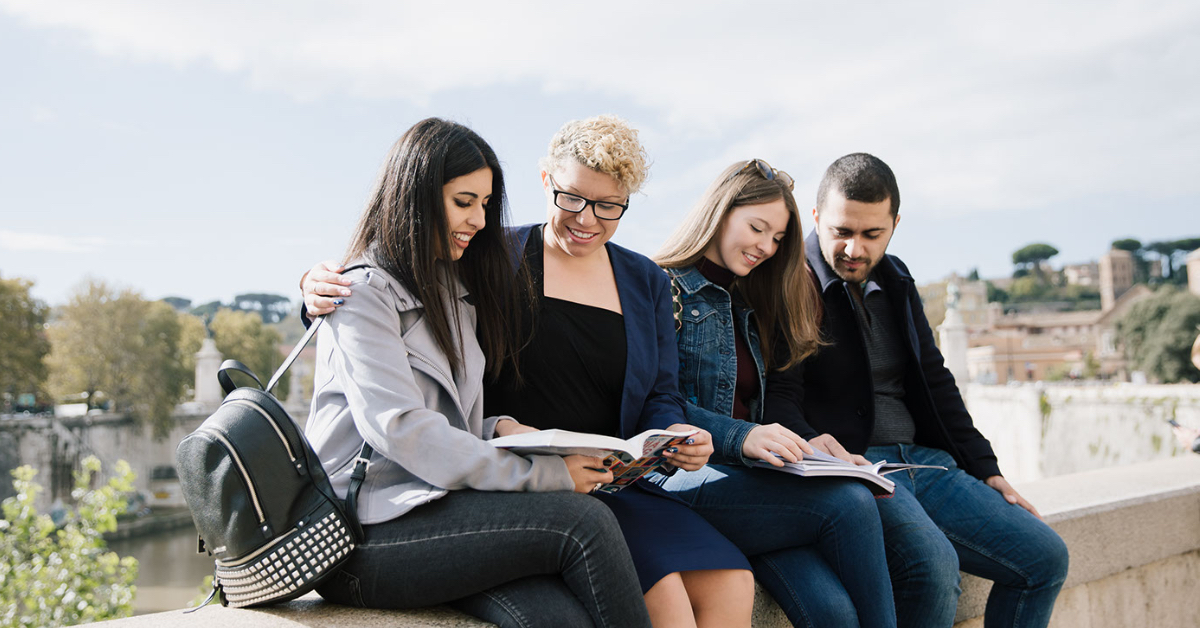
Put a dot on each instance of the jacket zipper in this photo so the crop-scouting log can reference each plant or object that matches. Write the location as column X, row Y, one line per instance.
column 271, row 421
column 447, row 382
column 241, row 468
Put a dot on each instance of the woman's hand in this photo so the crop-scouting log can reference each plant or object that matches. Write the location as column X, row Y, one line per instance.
column 588, row 472
column 764, row 441
column 693, row 453
column 508, row 427
column 324, row 288
column 828, row 444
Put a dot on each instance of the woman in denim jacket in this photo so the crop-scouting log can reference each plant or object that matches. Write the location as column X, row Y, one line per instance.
column 744, row 304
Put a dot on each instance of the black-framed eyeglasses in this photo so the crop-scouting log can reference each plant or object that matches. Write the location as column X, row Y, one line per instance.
column 769, row 173
column 574, row 203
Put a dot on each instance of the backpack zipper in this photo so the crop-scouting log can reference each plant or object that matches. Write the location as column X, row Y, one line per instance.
column 283, row 439
column 241, row 468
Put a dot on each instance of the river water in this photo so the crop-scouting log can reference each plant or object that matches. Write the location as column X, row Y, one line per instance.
column 170, row 571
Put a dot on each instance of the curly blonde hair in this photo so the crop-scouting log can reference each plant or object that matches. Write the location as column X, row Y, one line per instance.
column 604, row 143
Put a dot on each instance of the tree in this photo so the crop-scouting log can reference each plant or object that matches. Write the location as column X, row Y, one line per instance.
column 973, row 275
column 122, row 345
column 179, row 303
column 1127, row 244
column 62, row 576
column 1172, row 252
column 272, row 308
column 243, row 337
column 1031, row 257
column 1158, row 333
column 23, row 343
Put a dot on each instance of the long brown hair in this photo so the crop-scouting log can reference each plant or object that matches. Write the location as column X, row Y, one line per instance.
column 403, row 229
column 780, row 291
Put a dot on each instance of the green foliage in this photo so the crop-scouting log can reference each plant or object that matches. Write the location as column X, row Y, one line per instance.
column 1027, row 289
column 119, row 344
column 1032, row 254
column 243, row 337
column 1158, row 333
column 1030, row 258
column 1127, row 244
column 996, row 295
column 179, row 303
column 62, row 576
column 272, row 308
column 23, row 343
column 973, row 275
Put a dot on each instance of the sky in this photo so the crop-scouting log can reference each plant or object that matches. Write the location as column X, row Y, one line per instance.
column 208, row 149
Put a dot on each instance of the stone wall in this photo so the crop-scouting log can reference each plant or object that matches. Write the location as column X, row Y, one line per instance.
column 54, row 447
column 1041, row 431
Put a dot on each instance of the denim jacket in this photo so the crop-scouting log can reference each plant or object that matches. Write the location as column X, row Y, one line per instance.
column 708, row 360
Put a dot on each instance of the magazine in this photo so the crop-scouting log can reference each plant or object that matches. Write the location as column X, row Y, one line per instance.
column 628, row 459
column 821, row 464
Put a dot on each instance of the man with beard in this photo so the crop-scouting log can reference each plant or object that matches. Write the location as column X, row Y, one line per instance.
column 880, row 389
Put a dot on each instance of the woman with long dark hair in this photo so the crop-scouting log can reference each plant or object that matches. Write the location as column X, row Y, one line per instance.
column 447, row 517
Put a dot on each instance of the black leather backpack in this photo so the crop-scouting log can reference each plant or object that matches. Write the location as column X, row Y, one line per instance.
column 263, row 506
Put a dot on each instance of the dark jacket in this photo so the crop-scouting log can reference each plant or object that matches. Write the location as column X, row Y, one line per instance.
column 651, row 397
column 832, row 392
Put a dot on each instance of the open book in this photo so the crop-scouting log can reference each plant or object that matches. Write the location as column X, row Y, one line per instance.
column 628, row 459
column 821, row 464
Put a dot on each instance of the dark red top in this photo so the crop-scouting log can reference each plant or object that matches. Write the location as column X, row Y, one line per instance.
column 746, row 388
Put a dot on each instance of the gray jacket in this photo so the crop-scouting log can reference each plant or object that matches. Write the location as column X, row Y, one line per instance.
column 381, row 376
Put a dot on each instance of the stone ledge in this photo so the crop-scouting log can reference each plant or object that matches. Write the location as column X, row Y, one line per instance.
column 1120, row 524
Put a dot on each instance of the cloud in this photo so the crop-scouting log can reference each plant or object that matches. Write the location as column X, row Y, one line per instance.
column 49, row 243
column 980, row 106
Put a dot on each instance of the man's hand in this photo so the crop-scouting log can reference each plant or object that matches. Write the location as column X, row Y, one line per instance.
column 324, row 288
column 828, row 444
column 508, row 427
column 1010, row 494
column 691, row 454
column 1186, row 436
column 765, row 440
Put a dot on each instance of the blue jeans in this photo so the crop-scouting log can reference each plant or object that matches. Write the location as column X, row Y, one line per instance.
column 816, row 544
column 514, row 559
column 941, row 521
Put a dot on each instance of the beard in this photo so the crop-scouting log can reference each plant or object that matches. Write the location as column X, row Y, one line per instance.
column 858, row 273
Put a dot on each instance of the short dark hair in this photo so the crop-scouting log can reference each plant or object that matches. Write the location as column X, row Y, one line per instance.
column 404, row 230
column 860, row 177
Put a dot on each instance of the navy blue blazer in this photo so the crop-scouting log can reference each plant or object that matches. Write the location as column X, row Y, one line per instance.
column 651, row 399
column 832, row 391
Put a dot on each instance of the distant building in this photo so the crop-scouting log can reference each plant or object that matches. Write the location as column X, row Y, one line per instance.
column 972, row 302
column 1035, row 346
column 1116, row 276
column 1087, row 274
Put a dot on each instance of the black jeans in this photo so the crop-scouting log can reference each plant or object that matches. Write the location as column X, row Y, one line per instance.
column 514, row 559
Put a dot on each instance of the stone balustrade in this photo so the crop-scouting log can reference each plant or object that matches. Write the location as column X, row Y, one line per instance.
column 1133, row 534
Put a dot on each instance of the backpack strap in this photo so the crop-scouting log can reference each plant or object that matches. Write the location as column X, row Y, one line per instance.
column 361, row 463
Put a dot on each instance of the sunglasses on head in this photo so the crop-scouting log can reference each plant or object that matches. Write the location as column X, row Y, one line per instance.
column 769, row 173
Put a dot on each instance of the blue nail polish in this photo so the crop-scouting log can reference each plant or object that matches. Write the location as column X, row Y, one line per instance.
column 338, row 301
column 689, row 441
column 672, row 450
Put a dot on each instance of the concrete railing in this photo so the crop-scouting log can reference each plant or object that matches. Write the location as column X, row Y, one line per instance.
column 1133, row 533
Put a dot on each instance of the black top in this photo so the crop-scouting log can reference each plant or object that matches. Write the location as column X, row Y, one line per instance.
column 573, row 367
